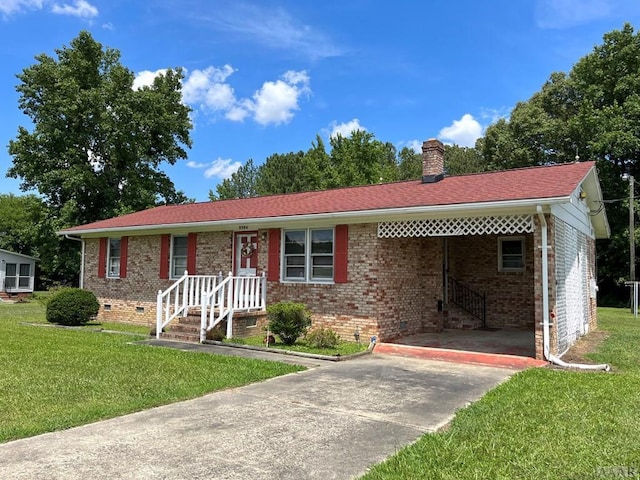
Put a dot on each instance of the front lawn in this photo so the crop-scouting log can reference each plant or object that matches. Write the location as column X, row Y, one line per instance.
column 543, row 423
column 343, row 348
column 55, row 378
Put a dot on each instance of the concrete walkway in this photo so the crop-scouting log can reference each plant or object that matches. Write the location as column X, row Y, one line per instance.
column 329, row 422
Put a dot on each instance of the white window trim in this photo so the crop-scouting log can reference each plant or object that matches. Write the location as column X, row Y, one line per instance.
column 13, row 277
column 171, row 257
column 28, row 277
column 109, row 275
column 501, row 268
column 308, row 268
column 17, row 277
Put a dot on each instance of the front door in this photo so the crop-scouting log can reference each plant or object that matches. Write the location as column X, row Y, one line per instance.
column 246, row 253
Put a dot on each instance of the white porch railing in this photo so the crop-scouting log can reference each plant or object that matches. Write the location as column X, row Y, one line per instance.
column 218, row 298
column 186, row 292
column 233, row 294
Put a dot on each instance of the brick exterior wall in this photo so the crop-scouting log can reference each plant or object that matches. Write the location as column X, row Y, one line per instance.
column 473, row 260
column 343, row 306
column 133, row 299
column 393, row 289
column 410, row 272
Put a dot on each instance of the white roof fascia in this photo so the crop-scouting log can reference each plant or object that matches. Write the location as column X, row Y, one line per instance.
column 332, row 218
column 18, row 254
column 591, row 184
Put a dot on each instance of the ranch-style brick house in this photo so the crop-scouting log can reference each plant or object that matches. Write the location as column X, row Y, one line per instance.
column 510, row 250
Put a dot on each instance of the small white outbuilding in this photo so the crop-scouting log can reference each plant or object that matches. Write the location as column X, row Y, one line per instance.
column 17, row 273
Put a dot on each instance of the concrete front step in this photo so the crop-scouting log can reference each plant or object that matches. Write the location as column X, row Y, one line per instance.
column 182, row 336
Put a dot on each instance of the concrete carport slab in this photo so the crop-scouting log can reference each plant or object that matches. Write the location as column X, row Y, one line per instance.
column 330, row 422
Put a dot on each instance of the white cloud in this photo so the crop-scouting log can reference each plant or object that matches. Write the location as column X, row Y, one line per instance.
column 345, row 129
column 208, row 90
column 7, row 7
column 222, row 168
column 415, row 145
column 276, row 101
column 494, row 114
column 569, row 13
column 107, row 26
column 145, row 78
column 79, row 8
column 273, row 28
column 463, row 132
column 237, row 114
column 192, row 164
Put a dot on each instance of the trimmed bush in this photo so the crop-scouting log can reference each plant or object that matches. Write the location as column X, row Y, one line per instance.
column 216, row 335
column 288, row 320
column 322, row 338
column 72, row 306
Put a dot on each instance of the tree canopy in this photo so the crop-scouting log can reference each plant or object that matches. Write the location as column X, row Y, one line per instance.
column 357, row 159
column 26, row 227
column 96, row 144
column 593, row 112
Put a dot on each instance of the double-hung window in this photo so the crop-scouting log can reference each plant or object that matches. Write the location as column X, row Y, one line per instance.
column 113, row 258
column 10, row 275
column 24, row 280
column 17, row 275
column 511, row 254
column 178, row 256
column 308, row 255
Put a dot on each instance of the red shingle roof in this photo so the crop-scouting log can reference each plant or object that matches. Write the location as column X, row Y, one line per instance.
column 509, row 185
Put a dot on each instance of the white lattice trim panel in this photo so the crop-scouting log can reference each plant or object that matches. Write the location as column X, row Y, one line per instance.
column 441, row 227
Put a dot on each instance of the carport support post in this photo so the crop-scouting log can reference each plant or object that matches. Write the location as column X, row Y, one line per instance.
column 545, row 283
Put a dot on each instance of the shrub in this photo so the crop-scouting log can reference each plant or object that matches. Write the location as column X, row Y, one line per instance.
column 288, row 320
column 215, row 334
column 43, row 297
column 322, row 338
column 72, row 306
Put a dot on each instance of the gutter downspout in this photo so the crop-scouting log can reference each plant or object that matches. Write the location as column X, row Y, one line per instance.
column 81, row 279
column 545, row 305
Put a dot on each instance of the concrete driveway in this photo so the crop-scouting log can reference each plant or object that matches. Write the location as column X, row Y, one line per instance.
column 329, row 422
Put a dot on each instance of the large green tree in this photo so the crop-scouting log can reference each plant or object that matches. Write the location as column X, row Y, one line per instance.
column 593, row 112
column 241, row 184
column 361, row 159
column 96, row 144
column 26, row 227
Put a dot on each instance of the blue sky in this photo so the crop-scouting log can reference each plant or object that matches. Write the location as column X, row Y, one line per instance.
column 267, row 76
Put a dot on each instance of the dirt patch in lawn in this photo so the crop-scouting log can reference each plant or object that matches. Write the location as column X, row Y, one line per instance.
column 587, row 344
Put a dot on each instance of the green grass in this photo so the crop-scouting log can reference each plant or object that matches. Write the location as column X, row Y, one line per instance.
column 542, row 423
column 343, row 348
column 55, row 378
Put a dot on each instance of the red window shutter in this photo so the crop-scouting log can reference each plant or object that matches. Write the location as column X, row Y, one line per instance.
column 340, row 255
column 124, row 249
column 273, row 266
column 192, row 243
column 165, row 241
column 102, row 258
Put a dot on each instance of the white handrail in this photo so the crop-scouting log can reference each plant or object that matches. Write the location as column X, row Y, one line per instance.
column 186, row 292
column 230, row 295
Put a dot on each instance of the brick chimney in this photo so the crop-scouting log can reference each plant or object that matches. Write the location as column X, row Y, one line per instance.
column 432, row 161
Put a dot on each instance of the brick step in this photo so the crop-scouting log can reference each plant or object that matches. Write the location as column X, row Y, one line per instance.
column 185, row 328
